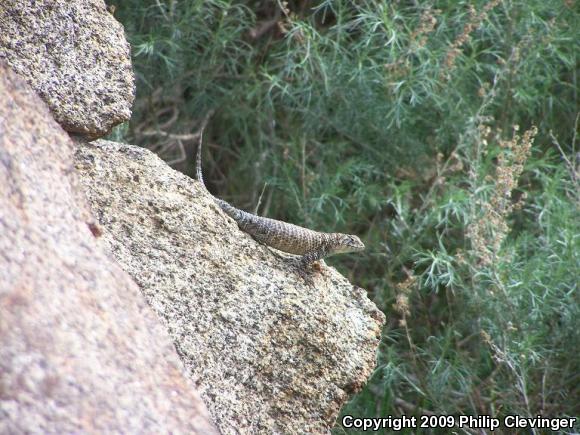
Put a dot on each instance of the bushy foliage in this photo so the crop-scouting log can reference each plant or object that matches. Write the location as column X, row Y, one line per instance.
column 443, row 133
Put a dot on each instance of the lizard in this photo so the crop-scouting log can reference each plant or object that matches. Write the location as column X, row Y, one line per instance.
column 310, row 245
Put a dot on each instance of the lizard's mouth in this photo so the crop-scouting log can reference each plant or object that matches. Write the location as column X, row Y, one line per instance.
column 349, row 244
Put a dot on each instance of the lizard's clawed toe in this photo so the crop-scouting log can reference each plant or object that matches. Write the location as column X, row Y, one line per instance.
column 306, row 276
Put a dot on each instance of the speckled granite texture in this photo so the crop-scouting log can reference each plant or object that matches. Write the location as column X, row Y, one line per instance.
column 80, row 350
column 75, row 56
column 269, row 353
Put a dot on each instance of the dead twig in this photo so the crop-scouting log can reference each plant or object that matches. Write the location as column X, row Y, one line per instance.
column 409, row 407
column 265, row 26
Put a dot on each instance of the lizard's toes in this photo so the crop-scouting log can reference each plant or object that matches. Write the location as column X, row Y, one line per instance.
column 306, row 276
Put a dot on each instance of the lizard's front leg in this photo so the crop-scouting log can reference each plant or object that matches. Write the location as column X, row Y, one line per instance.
column 311, row 257
column 307, row 260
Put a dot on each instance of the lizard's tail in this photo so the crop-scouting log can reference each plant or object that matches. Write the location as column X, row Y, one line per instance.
column 198, row 173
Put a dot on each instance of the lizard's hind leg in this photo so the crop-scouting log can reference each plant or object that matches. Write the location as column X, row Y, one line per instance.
column 276, row 253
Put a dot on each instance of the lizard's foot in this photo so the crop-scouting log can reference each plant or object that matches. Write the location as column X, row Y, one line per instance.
column 317, row 266
column 307, row 277
column 308, row 270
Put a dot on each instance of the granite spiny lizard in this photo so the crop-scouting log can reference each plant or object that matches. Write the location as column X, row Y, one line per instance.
column 310, row 245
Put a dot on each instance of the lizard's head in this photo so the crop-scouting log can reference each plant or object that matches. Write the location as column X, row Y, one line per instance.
column 343, row 243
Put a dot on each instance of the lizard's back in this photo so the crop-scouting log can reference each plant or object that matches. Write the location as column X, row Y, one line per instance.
column 280, row 235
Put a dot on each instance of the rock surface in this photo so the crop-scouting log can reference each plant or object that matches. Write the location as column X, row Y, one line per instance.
column 75, row 56
column 80, row 350
column 269, row 353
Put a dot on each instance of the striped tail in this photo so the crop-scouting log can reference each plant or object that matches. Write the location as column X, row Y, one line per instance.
column 198, row 172
column 240, row 216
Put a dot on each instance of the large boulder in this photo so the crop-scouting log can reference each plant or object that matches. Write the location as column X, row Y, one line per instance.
column 75, row 56
column 269, row 352
column 80, row 350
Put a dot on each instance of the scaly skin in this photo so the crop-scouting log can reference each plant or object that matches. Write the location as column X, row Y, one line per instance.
column 293, row 239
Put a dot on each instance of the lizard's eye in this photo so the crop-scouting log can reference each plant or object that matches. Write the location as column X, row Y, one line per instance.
column 355, row 242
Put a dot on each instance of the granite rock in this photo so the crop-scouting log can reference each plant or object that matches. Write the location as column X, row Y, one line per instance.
column 269, row 353
column 80, row 349
column 75, row 56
